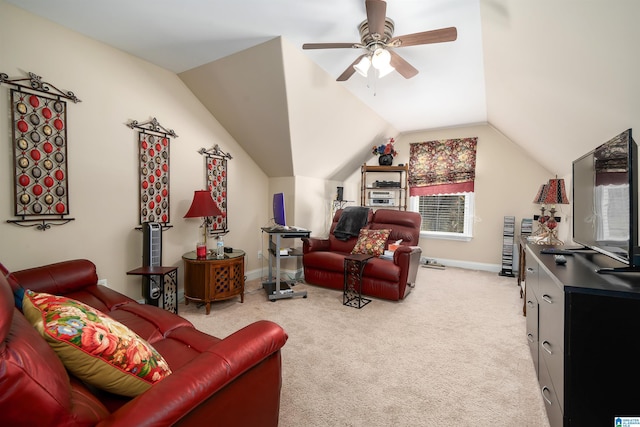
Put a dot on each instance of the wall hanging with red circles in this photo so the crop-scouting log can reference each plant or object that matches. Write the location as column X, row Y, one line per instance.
column 155, row 168
column 39, row 145
column 216, row 181
column 40, row 155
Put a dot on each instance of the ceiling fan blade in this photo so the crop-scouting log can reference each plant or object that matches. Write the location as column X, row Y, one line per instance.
column 448, row 34
column 405, row 69
column 330, row 45
column 350, row 70
column 376, row 15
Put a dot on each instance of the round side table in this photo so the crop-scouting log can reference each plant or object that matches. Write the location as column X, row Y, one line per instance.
column 211, row 279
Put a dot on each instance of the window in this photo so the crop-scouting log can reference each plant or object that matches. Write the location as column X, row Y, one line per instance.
column 441, row 185
column 445, row 216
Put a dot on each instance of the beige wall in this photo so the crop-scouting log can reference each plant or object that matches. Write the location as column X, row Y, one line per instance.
column 506, row 183
column 102, row 155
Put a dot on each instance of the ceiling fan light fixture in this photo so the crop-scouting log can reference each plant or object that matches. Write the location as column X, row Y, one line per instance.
column 380, row 58
column 362, row 67
column 381, row 61
column 384, row 70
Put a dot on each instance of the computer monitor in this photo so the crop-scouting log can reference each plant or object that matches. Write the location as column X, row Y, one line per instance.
column 279, row 214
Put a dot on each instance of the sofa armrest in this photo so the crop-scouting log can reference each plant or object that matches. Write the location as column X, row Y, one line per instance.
column 216, row 385
column 408, row 258
column 312, row 244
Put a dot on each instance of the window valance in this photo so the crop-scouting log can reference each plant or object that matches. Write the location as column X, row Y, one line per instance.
column 442, row 167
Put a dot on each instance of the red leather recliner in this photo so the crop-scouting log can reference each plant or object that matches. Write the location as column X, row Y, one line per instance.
column 323, row 259
column 234, row 381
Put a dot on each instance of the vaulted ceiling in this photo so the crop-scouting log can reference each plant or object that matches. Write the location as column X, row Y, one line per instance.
column 557, row 78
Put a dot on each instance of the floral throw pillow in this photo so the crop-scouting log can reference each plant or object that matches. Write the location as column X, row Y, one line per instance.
column 371, row 242
column 93, row 346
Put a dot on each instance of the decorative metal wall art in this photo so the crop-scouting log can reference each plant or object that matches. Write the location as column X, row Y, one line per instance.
column 154, row 143
column 216, row 172
column 39, row 139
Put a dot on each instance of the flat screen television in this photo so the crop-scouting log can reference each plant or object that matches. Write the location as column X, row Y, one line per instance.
column 605, row 201
column 279, row 214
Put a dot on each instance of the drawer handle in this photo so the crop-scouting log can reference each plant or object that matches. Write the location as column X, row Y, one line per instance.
column 530, row 337
column 530, row 303
column 544, row 395
column 546, row 346
column 547, row 298
column 530, row 270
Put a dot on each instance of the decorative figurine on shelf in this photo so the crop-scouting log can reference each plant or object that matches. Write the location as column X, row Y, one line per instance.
column 386, row 152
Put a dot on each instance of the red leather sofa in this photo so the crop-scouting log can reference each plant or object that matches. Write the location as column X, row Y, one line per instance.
column 234, row 381
column 323, row 259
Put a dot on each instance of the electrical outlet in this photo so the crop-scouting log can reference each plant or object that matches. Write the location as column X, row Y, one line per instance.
column 102, row 282
column 259, row 255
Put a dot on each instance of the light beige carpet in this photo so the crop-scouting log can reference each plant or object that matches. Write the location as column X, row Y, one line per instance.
column 453, row 353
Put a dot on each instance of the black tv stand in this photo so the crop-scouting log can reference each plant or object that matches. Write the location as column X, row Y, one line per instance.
column 582, row 332
column 581, row 249
column 616, row 270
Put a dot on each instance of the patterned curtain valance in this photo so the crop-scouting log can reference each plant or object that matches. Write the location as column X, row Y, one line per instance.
column 442, row 167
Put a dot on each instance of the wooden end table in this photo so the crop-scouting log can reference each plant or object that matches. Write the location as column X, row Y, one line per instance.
column 211, row 279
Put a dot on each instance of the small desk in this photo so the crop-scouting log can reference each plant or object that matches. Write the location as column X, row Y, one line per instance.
column 212, row 279
column 274, row 287
column 353, row 267
column 162, row 279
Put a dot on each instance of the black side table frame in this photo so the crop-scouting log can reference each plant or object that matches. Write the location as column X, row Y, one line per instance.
column 353, row 267
column 165, row 278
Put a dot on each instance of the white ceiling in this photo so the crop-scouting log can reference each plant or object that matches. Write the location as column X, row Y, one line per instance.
column 181, row 35
column 556, row 77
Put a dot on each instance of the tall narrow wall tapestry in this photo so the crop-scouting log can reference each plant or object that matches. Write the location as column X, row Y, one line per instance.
column 39, row 140
column 154, row 144
column 216, row 173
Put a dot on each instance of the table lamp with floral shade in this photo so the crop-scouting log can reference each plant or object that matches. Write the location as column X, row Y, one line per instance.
column 554, row 194
column 539, row 200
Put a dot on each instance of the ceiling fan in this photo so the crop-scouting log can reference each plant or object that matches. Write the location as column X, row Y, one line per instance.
column 376, row 36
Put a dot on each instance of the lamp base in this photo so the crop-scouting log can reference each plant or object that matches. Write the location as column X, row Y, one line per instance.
column 549, row 238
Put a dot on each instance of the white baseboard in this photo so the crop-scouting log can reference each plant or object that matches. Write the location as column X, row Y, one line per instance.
column 494, row 268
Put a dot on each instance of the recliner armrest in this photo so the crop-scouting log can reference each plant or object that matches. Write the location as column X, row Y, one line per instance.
column 404, row 251
column 189, row 396
column 408, row 258
column 312, row 244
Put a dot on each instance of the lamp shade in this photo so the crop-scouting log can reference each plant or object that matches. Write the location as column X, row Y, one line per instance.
column 362, row 67
column 202, row 205
column 381, row 61
column 555, row 193
column 540, row 194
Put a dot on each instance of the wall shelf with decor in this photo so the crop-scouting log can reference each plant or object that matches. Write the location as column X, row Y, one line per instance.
column 384, row 187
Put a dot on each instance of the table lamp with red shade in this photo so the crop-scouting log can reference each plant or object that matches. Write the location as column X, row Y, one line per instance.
column 203, row 206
